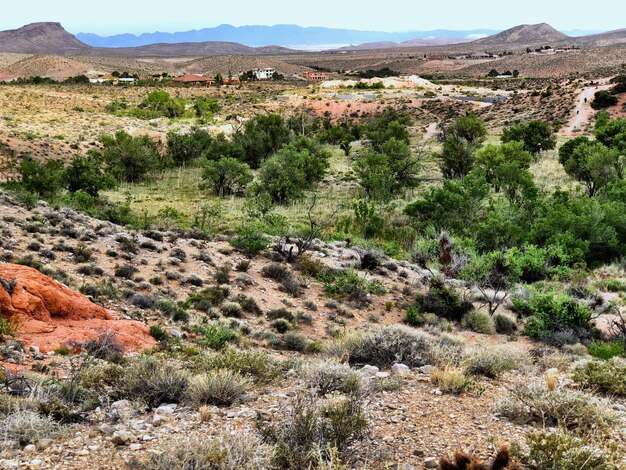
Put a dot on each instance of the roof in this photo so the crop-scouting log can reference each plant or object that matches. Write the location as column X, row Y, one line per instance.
column 193, row 78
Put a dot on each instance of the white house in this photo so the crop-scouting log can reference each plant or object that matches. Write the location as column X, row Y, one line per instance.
column 264, row 74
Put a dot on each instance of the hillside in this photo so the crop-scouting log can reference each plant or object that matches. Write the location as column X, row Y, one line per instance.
column 41, row 38
column 525, row 34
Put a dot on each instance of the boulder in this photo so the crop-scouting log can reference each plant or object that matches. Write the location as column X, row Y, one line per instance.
column 49, row 314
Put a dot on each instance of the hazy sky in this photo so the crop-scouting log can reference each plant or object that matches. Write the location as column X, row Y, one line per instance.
column 116, row 16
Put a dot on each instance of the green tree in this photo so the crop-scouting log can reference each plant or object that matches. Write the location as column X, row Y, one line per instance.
column 603, row 99
column 220, row 147
column 536, row 135
column 593, row 164
column 162, row 104
column 262, row 136
column 184, row 148
column 226, row 176
column 491, row 159
column 611, row 132
column 461, row 141
column 87, row 173
column 384, row 174
column 44, row 179
column 128, row 158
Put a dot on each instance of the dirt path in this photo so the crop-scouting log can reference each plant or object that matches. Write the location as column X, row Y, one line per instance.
column 431, row 131
column 583, row 112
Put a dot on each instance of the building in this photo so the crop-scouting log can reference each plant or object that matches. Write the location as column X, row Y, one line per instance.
column 264, row 74
column 315, row 76
column 103, row 79
column 126, row 81
column 231, row 81
column 194, row 80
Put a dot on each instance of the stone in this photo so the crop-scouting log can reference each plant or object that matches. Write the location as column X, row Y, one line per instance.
column 166, row 409
column 135, row 447
column 30, row 448
column 427, row 370
column 382, row 375
column 619, row 407
column 431, row 462
column 9, row 464
column 369, row 371
column 400, row 369
column 121, row 438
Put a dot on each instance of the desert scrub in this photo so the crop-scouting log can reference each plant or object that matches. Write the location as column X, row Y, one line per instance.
column 388, row 345
column 219, row 387
column 152, row 382
column 505, row 324
column 215, row 335
column 451, row 379
column 493, row 361
column 280, row 273
column 330, row 376
column 311, row 429
column 443, row 301
column 254, row 364
column 479, row 322
column 574, row 410
column 226, row 451
column 349, row 286
column 561, row 450
column 27, row 427
column 606, row 349
column 605, row 376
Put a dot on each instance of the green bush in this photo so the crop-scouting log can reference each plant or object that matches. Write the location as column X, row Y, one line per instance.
column 250, row 240
column 254, row 364
column 215, row 336
column 493, row 361
column 348, row 285
column 479, row 322
column 605, row 376
column 219, row 387
column 606, row 350
column 505, row 325
column 443, row 301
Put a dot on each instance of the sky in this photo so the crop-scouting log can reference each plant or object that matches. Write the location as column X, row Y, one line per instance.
column 137, row 16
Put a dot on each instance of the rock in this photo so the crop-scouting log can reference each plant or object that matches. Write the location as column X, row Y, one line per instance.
column 135, row 447
column 382, row 375
column 83, row 452
column 427, row 370
column 54, row 314
column 619, row 407
column 166, row 409
column 43, row 444
column 121, row 438
column 9, row 464
column 431, row 462
column 437, row 392
column 34, row 349
column 418, row 453
column 30, row 448
column 369, row 371
column 400, row 369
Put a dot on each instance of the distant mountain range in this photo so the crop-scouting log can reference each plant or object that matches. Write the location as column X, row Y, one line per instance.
column 282, row 35
column 51, row 38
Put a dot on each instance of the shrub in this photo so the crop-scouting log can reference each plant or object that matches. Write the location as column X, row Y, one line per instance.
column 443, row 301
column 222, row 274
column 226, row 451
column 232, row 309
column 215, row 336
column 493, row 361
column 293, row 341
column 27, row 427
column 159, row 333
column 450, row 380
column 329, row 376
column 106, row 346
column 569, row 409
column 8, row 327
column 281, row 313
column 561, row 450
column 282, row 325
column 219, row 387
column 154, row 383
column 281, row 273
column 311, row 429
column 126, row 271
column 250, row 363
column 505, row 325
column 210, row 297
column 226, row 176
column 606, row 350
column 348, row 285
column 605, row 376
column 480, row 322
column 461, row 461
column 250, row 240
column 388, row 345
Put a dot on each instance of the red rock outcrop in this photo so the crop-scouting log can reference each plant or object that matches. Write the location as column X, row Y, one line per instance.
column 50, row 314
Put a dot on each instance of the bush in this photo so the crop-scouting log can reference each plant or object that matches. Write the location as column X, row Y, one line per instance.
column 210, row 297
column 493, row 361
column 219, row 387
column 105, row 347
column 505, row 325
column 27, row 427
column 561, row 450
column 309, row 431
column 479, row 322
column 388, row 345
column 128, row 158
column 603, row 99
column 232, row 309
column 215, row 336
column 605, row 376
column 606, row 350
column 154, row 383
column 226, row 451
column 282, row 325
column 226, row 176
column 443, row 301
column 329, row 376
column 450, row 380
column 574, row 410
column 250, row 363
column 348, row 285
column 293, row 341
column 250, row 240
column 184, row 148
column 42, row 179
column 159, row 333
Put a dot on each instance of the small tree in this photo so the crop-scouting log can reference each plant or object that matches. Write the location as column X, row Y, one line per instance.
column 128, row 158
column 184, row 148
column 86, row 173
column 536, row 136
column 43, row 179
column 262, row 136
column 603, row 99
column 226, row 176
column 594, row 165
column 461, row 140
